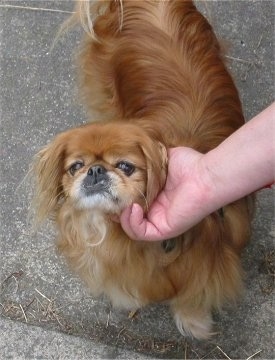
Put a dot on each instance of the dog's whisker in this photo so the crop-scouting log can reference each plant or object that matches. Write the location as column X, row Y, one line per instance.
column 144, row 198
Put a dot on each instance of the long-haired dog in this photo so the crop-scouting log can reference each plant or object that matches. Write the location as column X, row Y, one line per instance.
column 153, row 71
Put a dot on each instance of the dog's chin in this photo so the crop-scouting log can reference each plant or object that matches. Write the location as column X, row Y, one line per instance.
column 104, row 202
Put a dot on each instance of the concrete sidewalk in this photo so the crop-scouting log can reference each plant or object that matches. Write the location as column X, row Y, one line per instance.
column 46, row 312
column 32, row 342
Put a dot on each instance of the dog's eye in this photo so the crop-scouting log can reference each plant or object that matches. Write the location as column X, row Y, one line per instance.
column 75, row 166
column 126, row 167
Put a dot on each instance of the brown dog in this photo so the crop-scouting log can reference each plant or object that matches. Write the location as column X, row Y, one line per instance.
column 154, row 72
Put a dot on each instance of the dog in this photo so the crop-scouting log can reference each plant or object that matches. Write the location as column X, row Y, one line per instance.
column 154, row 73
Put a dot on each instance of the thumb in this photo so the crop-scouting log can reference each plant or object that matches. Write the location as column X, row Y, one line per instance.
column 137, row 227
column 131, row 218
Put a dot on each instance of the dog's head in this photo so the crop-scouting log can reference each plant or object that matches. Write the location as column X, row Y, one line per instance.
column 103, row 167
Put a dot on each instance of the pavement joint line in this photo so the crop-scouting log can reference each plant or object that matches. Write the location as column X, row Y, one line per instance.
column 9, row 6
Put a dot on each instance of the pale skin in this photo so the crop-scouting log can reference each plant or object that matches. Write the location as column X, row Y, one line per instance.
column 199, row 184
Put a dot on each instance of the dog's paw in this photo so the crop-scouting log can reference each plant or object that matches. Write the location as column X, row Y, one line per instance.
column 197, row 325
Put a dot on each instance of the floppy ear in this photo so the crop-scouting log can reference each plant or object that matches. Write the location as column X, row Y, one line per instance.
column 48, row 169
column 157, row 161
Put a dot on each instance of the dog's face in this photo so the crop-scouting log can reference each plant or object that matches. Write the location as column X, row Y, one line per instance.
column 100, row 166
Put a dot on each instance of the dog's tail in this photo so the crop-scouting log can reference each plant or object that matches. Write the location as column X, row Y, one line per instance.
column 85, row 13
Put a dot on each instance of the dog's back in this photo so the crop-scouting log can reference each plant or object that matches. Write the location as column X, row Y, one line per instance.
column 160, row 60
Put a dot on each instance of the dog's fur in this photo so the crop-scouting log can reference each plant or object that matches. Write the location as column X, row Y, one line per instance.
column 154, row 73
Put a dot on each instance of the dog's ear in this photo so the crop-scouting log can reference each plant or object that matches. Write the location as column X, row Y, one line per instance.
column 48, row 169
column 157, row 161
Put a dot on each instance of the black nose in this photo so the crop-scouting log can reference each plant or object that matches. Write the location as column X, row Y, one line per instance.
column 97, row 173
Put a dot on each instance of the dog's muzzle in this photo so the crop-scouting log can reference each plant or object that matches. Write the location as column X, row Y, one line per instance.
column 97, row 180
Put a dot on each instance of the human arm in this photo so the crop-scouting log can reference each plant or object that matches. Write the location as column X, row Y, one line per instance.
column 199, row 184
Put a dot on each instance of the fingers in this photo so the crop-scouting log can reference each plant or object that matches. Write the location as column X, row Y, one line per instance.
column 125, row 222
column 137, row 227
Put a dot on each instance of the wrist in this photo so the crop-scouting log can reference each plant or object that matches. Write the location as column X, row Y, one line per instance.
column 210, row 198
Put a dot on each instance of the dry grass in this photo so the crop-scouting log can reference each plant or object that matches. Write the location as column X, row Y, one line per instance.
column 44, row 311
column 39, row 310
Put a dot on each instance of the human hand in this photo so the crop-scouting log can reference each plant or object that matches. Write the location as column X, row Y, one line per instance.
column 181, row 204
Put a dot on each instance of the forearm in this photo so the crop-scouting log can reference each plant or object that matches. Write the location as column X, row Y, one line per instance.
column 198, row 185
column 244, row 162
